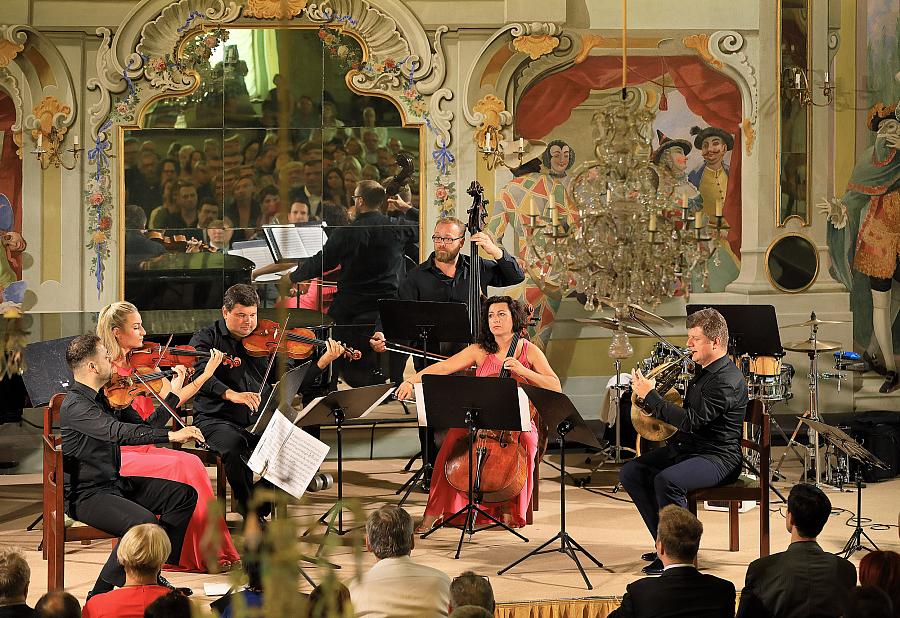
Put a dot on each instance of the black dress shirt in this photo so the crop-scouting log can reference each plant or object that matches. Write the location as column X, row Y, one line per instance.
column 370, row 254
column 247, row 377
column 711, row 422
column 427, row 282
column 92, row 432
column 16, row 610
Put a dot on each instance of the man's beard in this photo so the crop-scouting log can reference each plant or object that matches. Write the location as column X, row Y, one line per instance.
column 446, row 257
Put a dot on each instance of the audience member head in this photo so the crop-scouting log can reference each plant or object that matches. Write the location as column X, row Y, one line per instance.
column 389, row 532
column 243, row 189
column 291, row 174
column 148, row 165
column 881, row 569
column 299, row 212
column 312, row 176
column 371, row 172
column 471, row 589
column 395, row 145
column 678, row 535
column 184, row 157
column 169, row 170
column 369, row 196
column 209, row 212
column 220, row 232
column 868, row 602
column 353, row 147
column 251, row 151
column 57, row 604
column 471, row 611
column 334, row 215
column 89, row 361
column 269, row 200
column 172, row 605
column 371, row 141
column 200, row 172
column 330, row 598
column 807, row 511
column 15, row 574
column 186, row 198
column 142, row 552
column 130, row 149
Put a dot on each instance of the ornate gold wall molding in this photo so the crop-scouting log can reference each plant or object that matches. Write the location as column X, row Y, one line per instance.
column 8, row 51
column 749, row 135
column 700, row 44
column 49, row 112
column 588, row 42
column 535, row 45
column 490, row 110
column 274, row 9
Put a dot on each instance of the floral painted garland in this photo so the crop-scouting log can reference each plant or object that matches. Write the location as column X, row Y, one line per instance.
column 344, row 49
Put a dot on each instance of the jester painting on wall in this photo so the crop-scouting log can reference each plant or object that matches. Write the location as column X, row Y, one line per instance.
column 12, row 288
column 697, row 105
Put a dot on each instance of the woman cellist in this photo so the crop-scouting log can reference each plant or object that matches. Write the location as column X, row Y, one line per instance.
column 120, row 329
column 501, row 318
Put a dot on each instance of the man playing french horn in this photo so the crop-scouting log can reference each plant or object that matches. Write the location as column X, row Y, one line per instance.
column 706, row 450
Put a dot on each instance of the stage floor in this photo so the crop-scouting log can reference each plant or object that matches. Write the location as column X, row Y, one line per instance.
column 606, row 524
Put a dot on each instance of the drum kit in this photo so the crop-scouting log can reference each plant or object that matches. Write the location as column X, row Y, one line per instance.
column 768, row 377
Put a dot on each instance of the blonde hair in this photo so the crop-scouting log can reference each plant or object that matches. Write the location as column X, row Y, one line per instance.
column 113, row 316
column 144, row 549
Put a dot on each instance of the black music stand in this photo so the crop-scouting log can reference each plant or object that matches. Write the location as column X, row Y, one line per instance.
column 560, row 415
column 752, row 329
column 281, row 397
column 463, row 402
column 841, row 440
column 337, row 407
column 418, row 319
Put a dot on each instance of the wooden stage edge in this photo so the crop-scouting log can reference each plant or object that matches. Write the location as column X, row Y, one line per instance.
column 606, row 524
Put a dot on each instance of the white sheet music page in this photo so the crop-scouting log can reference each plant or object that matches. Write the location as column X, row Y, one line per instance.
column 287, row 456
column 288, row 241
column 420, row 404
column 524, row 410
column 312, row 237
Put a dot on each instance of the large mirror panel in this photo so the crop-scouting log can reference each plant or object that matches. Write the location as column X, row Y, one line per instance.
column 272, row 135
column 795, row 112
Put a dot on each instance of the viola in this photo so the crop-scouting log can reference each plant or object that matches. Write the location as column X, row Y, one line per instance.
column 297, row 343
column 157, row 355
column 121, row 390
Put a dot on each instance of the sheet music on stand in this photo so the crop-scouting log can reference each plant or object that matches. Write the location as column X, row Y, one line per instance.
column 302, row 414
column 287, row 456
column 524, row 408
column 290, row 242
column 259, row 252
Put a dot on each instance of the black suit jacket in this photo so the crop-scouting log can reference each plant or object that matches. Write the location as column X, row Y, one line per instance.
column 802, row 582
column 680, row 591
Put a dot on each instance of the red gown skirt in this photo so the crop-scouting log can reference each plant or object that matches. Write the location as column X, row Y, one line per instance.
column 444, row 500
column 170, row 464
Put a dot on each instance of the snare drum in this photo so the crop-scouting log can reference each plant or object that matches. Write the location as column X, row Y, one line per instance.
column 771, row 387
column 765, row 366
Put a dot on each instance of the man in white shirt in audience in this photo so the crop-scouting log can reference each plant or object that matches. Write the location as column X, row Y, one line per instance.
column 395, row 586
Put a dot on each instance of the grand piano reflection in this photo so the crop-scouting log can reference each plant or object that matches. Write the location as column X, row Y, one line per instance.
column 177, row 280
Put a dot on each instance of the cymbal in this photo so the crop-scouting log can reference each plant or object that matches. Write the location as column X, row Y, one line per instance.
column 815, row 322
column 808, row 346
column 614, row 324
column 645, row 316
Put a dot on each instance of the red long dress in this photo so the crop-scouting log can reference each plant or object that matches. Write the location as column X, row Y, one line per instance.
column 444, row 500
column 170, row 464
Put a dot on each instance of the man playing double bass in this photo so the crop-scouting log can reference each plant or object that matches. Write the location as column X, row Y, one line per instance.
column 706, row 451
column 224, row 406
column 446, row 277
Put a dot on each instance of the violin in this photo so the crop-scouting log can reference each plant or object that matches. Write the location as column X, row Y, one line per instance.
column 158, row 355
column 297, row 343
column 120, row 391
column 179, row 243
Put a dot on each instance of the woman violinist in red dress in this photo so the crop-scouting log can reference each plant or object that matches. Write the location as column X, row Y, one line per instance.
column 501, row 317
column 119, row 328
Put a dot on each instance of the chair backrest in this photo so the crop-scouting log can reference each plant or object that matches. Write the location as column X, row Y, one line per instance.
column 757, row 420
column 51, row 415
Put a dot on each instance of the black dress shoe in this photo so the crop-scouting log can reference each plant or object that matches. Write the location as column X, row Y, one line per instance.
column 890, row 382
column 654, row 568
column 650, row 556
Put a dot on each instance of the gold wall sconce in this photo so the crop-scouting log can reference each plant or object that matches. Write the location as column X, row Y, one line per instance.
column 796, row 86
column 49, row 150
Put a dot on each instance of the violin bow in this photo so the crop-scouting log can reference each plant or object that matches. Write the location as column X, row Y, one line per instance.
column 164, row 350
column 262, row 384
column 167, row 408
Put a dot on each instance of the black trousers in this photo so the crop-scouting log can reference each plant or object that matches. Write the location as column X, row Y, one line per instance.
column 664, row 476
column 235, row 445
column 138, row 500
